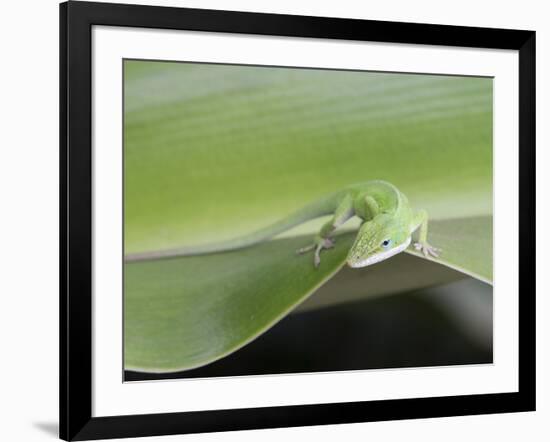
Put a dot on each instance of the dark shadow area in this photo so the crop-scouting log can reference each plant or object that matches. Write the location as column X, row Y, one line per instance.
column 398, row 331
column 49, row 428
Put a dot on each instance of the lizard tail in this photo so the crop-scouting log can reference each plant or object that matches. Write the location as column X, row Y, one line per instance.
column 314, row 210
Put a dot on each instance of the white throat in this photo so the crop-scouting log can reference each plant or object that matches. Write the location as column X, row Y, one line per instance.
column 382, row 255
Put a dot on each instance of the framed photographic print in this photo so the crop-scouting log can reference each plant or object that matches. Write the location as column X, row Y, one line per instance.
column 272, row 220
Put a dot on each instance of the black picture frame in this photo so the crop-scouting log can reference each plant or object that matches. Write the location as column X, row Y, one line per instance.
column 76, row 21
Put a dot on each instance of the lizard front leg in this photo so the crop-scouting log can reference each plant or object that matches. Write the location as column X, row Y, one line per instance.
column 421, row 220
column 322, row 240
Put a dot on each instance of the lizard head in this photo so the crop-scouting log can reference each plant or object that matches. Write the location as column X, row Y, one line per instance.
column 377, row 240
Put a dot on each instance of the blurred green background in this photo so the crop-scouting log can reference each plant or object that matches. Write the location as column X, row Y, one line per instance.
column 214, row 151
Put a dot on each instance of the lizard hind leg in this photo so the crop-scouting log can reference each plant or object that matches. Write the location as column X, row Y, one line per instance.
column 319, row 245
column 322, row 240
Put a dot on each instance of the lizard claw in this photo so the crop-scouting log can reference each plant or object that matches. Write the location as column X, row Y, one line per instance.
column 316, row 259
column 318, row 245
column 427, row 249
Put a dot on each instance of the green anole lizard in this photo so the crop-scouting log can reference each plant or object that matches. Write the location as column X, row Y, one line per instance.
column 388, row 222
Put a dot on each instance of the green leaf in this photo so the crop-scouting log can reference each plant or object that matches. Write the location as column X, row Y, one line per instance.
column 467, row 245
column 185, row 312
column 213, row 152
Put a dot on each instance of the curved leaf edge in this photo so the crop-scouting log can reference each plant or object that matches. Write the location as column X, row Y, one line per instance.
column 445, row 263
column 251, row 338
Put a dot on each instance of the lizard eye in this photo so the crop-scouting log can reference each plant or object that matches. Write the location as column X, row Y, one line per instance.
column 386, row 243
